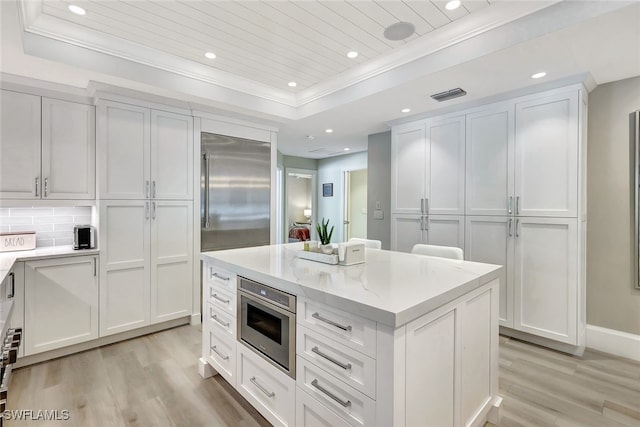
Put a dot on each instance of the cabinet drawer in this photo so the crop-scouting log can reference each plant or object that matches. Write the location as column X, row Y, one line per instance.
column 221, row 277
column 311, row 413
column 348, row 365
column 351, row 330
column 344, row 400
column 220, row 322
column 222, row 356
column 222, row 299
column 268, row 390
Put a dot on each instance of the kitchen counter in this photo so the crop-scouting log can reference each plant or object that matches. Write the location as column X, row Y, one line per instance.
column 390, row 287
column 401, row 340
column 7, row 259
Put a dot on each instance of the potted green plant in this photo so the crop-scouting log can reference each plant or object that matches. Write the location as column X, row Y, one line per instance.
column 324, row 234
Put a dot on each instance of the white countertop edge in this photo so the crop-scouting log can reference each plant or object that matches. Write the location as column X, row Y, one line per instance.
column 394, row 320
column 8, row 259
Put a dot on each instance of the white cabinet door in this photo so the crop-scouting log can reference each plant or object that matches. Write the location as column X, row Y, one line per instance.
column 125, row 259
column 490, row 239
column 445, row 230
column 430, row 367
column 546, row 282
column 68, row 150
column 408, row 169
column 547, row 156
column 61, row 303
column 406, row 231
column 171, row 259
column 123, row 151
column 445, row 166
column 490, row 160
column 20, row 146
column 171, row 156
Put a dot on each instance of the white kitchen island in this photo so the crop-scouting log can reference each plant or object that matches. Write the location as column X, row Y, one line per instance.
column 410, row 340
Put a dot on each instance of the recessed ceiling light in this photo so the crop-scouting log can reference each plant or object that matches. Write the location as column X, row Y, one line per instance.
column 405, row 110
column 399, row 31
column 347, row 149
column 77, row 10
column 329, row 131
column 352, row 54
column 538, row 75
column 452, row 5
column 292, row 84
column 210, row 55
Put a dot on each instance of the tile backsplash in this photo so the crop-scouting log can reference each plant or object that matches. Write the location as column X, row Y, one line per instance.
column 53, row 226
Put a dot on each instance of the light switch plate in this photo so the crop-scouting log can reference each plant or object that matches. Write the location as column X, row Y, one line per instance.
column 378, row 214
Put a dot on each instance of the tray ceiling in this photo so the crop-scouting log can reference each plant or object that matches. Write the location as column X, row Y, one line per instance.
column 270, row 42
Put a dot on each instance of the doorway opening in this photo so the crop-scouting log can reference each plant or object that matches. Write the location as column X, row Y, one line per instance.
column 300, row 204
column 354, row 204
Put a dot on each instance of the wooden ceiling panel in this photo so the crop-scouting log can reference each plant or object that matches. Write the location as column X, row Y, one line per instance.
column 271, row 42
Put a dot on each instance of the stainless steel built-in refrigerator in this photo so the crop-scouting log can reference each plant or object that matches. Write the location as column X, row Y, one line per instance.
column 235, row 183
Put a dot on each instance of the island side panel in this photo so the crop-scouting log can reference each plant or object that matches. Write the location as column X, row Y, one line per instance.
column 443, row 365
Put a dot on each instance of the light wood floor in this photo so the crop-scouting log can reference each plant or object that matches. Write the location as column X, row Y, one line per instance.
column 154, row 381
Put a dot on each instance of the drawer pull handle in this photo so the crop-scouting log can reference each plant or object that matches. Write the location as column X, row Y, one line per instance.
column 316, row 315
column 262, row 389
column 331, row 395
column 345, row 366
column 226, row 301
column 220, row 276
column 225, row 324
column 216, row 351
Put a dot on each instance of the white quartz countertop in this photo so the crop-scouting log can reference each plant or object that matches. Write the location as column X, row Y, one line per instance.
column 7, row 259
column 390, row 287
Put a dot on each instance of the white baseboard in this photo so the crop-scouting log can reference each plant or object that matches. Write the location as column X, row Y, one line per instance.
column 614, row 342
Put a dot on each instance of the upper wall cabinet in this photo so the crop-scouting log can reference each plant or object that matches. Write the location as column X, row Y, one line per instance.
column 428, row 167
column 144, row 153
column 47, row 148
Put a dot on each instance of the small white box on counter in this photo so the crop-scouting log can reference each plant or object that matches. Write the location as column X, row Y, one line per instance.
column 19, row 241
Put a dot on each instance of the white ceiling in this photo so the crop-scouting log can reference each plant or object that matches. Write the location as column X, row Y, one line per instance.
column 158, row 47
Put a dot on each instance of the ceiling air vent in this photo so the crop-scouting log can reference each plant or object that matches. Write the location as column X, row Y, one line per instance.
column 449, row 94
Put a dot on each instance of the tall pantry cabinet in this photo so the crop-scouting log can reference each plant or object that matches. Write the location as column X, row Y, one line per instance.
column 427, row 175
column 524, row 208
column 145, row 191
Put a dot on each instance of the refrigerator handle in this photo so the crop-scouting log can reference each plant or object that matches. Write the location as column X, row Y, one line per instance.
column 206, row 190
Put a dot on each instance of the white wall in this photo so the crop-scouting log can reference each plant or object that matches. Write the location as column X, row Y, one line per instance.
column 331, row 170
